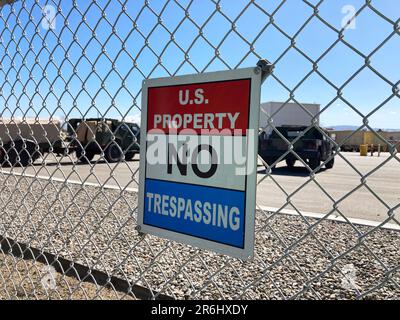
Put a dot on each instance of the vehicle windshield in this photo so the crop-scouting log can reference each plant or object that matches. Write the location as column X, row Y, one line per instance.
column 134, row 128
column 293, row 133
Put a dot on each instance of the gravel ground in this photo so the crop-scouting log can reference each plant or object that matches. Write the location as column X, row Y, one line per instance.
column 22, row 280
column 96, row 228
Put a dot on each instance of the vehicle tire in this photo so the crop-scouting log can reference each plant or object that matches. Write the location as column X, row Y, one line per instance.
column 84, row 158
column 315, row 162
column 329, row 165
column 26, row 152
column 113, row 153
column 290, row 162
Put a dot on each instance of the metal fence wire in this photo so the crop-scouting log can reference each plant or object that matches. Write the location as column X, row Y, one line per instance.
column 69, row 206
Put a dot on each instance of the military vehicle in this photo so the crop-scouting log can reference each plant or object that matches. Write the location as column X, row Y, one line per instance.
column 22, row 142
column 112, row 137
column 313, row 147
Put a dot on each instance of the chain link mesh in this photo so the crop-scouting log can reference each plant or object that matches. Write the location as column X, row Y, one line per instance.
column 67, row 225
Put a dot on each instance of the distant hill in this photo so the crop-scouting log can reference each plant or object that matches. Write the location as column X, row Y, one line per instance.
column 351, row 128
column 343, row 128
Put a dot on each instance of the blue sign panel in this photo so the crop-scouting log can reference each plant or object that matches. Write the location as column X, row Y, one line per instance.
column 205, row 212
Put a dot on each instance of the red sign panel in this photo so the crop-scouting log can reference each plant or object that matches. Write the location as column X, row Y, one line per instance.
column 211, row 106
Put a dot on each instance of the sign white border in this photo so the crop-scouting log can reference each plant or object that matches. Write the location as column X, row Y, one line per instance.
column 254, row 74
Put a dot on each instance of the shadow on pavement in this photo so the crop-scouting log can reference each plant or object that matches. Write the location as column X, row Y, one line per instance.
column 285, row 171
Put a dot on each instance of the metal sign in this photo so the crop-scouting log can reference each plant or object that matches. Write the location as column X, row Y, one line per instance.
column 198, row 159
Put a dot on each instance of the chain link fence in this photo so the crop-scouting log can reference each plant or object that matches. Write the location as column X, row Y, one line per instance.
column 71, row 75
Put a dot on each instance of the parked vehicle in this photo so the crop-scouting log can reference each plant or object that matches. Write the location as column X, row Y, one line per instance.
column 313, row 147
column 22, row 142
column 113, row 137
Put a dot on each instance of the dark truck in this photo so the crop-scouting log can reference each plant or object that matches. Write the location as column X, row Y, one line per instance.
column 313, row 147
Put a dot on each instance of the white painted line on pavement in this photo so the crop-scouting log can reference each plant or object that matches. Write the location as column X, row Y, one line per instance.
column 364, row 222
column 77, row 182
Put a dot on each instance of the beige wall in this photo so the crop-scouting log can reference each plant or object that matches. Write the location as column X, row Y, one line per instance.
column 365, row 137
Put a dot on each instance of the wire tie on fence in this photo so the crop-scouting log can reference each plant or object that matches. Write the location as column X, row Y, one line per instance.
column 391, row 213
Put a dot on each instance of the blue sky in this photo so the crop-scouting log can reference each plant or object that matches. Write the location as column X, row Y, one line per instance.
column 117, row 94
